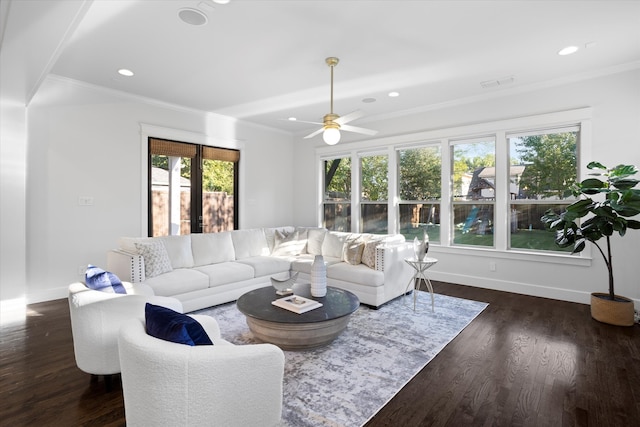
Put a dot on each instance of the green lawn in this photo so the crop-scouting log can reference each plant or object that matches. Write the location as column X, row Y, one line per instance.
column 539, row 240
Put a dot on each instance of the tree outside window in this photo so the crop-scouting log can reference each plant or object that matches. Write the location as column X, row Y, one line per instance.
column 543, row 168
column 374, row 194
column 419, row 188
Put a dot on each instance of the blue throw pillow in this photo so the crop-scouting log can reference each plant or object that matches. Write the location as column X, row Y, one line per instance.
column 100, row 280
column 169, row 325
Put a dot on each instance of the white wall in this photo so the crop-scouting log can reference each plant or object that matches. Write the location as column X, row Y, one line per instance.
column 615, row 102
column 85, row 141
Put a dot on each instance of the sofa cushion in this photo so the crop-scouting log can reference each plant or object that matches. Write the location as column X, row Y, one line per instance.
column 224, row 273
column 315, row 238
column 248, row 243
column 353, row 248
column 289, row 243
column 360, row 274
column 212, row 248
column 104, row 281
column 333, row 243
column 270, row 235
column 303, row 263
column 369, row 251
column 178, row 281
column 156, row 258
column 179, row 250
column 166, row 324
column 266, row 265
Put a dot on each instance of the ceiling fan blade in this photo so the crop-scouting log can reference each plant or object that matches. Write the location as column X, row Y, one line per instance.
column 349, row 117
column 312, row 134
column 356, row 129
column 302, row 121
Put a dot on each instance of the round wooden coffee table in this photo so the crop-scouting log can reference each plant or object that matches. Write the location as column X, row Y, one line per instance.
column 292, row 331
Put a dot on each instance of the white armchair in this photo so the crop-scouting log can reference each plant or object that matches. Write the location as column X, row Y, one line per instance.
column 95, row 322
column 169, row 384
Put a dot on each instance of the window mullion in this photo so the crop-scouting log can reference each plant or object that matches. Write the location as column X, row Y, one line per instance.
column 501, row 210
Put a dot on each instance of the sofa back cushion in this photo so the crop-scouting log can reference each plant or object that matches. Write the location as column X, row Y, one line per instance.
column 315, row 237
column 270, row 234
column 249, row 243
column 179, row 250
column 212, row 248
column 333, row 243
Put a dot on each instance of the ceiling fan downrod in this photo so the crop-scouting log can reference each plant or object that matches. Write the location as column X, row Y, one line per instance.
column 331, row 62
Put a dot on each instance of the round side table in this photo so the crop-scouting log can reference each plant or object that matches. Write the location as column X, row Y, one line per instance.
column 419, row 276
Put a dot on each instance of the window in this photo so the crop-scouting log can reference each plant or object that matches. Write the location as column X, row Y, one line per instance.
column 419, row 189
column 473, row 176
column 481, row 186
column 374, row 186
column 337, row 194
column 192, row 188
column 543, row 166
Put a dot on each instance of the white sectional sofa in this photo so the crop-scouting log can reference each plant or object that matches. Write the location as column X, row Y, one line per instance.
column 202, row 270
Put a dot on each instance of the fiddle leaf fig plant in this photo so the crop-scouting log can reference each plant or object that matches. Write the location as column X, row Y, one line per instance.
column 604, row 217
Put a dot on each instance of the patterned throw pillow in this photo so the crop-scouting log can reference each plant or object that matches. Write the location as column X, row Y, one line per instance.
column 104, row 281
column 166, row 324
column 156, row 258
column 369, row 252
column 353, row 250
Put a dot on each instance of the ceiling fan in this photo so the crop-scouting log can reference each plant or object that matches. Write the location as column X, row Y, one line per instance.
column 333, row 122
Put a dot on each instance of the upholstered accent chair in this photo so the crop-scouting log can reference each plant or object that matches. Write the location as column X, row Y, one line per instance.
column 169, row 384
column 95, row 322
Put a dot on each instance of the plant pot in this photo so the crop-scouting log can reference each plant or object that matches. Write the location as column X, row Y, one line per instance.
column 618, row 313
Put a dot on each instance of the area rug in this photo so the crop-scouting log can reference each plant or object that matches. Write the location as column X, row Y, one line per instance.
column 345, row 383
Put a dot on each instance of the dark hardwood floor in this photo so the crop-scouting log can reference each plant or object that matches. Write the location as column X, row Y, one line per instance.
column 523, row 361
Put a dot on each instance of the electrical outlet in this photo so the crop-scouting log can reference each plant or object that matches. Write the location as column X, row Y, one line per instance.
column 492, row 266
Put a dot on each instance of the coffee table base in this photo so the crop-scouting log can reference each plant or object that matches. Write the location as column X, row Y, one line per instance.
column 297, row 336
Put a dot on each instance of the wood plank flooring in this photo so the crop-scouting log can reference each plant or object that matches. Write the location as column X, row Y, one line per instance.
column 524, row 361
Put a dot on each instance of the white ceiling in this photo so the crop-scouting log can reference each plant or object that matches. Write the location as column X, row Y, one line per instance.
column 263, row 61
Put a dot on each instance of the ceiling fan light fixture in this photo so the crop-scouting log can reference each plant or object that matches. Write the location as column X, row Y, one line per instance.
column 331, row 136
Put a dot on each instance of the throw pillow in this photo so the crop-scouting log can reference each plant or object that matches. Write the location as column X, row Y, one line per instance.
column 156, row 258
column 104, row 281
column 287, row 244
column 369, row 252
column 352, row 251
column 169, row 325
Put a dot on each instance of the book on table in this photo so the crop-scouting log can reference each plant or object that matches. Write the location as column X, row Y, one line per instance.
column 297, row 304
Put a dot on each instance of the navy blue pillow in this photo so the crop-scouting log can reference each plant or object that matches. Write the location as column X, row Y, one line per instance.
column 100, row 280
column 169, row 325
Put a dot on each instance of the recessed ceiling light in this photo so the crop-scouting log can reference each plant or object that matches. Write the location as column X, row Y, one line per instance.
column 292, row 119
column 393, row 94
column 568, row 50
column 192, row 16
column 368, row 100
column 125, row 72
column 221, row 1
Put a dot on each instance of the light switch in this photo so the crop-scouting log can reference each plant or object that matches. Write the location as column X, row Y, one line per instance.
column 85, row 200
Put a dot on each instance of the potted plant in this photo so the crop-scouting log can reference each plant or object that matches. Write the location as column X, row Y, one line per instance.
column 606, row 217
